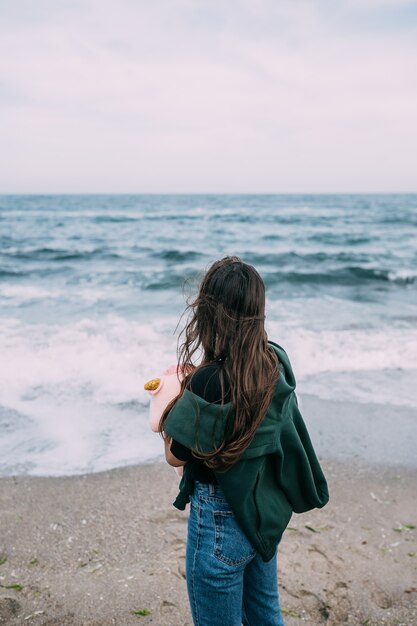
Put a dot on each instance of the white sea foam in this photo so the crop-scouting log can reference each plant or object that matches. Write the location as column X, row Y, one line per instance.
column 16, row 295
column 23, row 293
column 403, row 275
column 363, row 365
column 78, row 388
column 103, row 359
column 366, row 350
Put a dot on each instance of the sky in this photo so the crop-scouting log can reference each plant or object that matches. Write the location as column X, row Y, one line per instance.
column 208, row 96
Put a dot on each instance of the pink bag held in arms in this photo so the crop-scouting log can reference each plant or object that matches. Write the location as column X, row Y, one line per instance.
column 162, row 391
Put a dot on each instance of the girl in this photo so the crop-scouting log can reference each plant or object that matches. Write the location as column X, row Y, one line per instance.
column 248, row 460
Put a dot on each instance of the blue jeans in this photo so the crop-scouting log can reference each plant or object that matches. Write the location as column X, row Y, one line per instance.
column 228, row 583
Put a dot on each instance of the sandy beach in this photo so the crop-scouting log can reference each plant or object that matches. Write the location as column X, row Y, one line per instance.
column 108, row 549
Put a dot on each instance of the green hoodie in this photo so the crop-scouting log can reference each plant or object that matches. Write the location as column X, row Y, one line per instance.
column 278, row 473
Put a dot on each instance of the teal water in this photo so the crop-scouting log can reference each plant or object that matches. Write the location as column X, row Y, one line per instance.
column 91, row 288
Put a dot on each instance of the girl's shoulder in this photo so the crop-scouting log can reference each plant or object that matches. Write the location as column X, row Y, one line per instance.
column 206, row 382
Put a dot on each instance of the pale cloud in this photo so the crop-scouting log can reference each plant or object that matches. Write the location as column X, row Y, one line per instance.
column 177, row 96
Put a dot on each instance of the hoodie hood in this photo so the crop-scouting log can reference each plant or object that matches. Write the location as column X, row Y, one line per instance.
column 205, row 427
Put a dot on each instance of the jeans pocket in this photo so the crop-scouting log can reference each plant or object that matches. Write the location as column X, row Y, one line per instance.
column 230, row 543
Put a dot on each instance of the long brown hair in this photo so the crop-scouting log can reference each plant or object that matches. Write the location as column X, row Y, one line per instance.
column 226, row 321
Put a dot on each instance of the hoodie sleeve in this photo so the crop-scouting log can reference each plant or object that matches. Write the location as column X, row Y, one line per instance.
column 299, row 473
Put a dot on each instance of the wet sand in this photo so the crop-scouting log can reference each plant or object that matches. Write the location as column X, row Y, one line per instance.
column 90, row 550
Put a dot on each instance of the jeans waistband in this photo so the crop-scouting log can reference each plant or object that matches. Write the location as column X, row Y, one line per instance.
column 208, row 489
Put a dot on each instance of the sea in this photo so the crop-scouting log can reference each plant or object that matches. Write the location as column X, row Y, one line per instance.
column 92, row 289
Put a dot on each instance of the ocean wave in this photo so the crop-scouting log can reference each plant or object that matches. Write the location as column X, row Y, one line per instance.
column 24, row 293
column 80, row 388
column 347, row 276
column 59, row 254
column 347, row 350
column 11, row 273
column 88, row 255
column 115, row 219
column 89, row 413
column 408, row 220
column 403, row 276
column 341, row 238
column 105, row 358
column 178, row 256
column 307, row 259
column 165, row 283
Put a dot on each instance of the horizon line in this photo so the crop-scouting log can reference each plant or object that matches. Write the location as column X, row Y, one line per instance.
column 209, row 193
